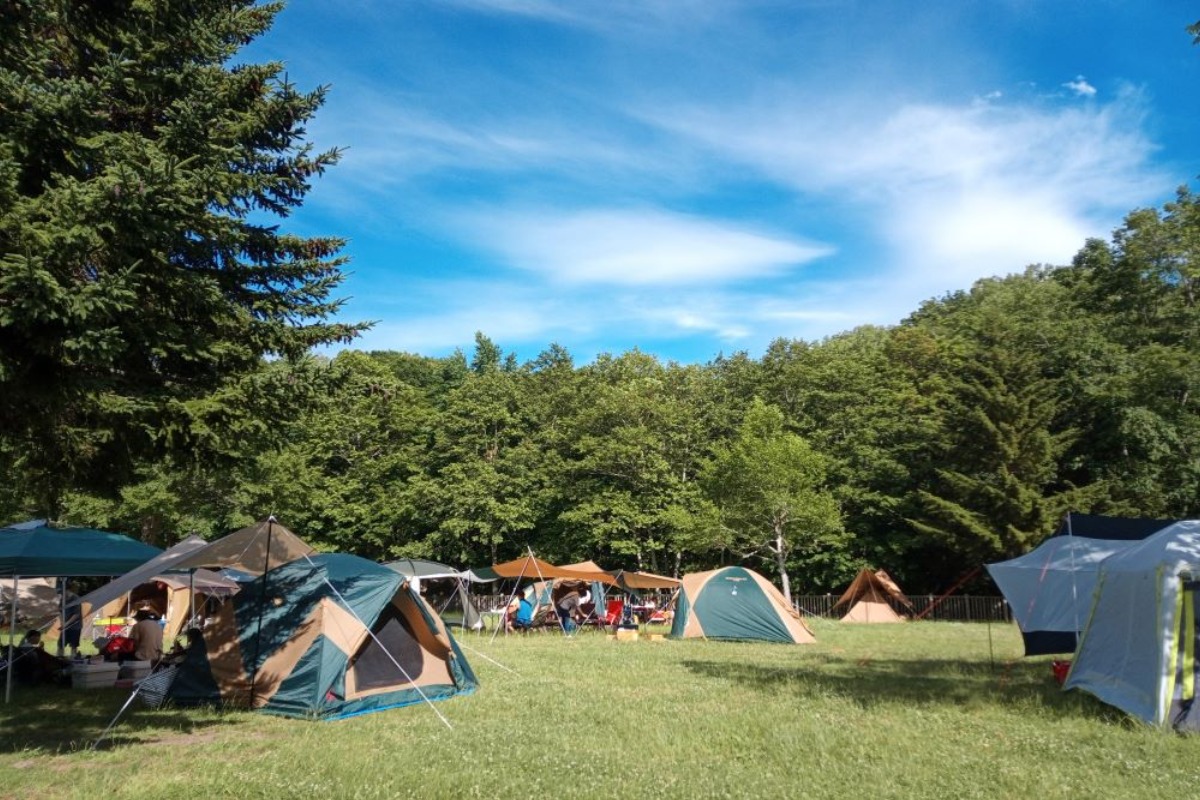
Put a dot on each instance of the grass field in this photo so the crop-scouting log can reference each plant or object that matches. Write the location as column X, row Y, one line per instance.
column 922, row 710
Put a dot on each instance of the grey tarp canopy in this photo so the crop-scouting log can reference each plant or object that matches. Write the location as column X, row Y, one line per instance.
column 154, row 568
column 425, row 570
column 162, row 569
column 1049, row 589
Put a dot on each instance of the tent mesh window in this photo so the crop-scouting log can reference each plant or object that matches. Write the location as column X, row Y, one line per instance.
column 374, row 668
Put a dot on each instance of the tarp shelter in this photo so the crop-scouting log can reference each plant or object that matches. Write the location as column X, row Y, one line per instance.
column 46, row 552
column 255, row 549
column 735, row 603
column 534, row 569
column 173, row 596
column 1049, row 589
column 340, row 636
column 1138, row 649
column 424, row 570
column 871, row 598
column 634, row 581
column 40, row 551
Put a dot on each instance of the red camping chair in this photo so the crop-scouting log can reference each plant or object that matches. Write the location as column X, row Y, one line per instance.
column 613, row 612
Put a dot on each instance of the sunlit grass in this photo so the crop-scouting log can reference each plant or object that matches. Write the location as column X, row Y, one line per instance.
column 924, row 710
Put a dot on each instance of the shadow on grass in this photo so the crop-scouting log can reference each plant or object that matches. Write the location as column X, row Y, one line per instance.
column 61, row 720
column 875, row 682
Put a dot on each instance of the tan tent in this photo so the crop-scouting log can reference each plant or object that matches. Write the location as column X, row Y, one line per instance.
column 170, row 596
column 871, row 597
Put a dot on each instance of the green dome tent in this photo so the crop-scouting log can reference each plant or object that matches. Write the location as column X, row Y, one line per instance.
column 325, row 637
column 735, row 603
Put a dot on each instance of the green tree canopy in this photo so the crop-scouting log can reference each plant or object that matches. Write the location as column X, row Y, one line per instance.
column 142, row 272
column 769, row 485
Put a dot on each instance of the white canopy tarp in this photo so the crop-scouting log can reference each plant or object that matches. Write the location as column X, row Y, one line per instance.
column 165, row 562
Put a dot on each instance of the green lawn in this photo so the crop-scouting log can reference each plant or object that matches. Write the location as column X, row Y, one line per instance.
column 922, row 710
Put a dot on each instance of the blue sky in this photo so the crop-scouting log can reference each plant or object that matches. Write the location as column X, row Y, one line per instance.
column 692, row 177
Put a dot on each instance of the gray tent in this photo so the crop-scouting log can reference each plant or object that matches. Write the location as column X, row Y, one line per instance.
column 1138, row 649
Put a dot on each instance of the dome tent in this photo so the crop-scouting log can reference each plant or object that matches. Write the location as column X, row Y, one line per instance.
column 336, row 636
column 738, row 604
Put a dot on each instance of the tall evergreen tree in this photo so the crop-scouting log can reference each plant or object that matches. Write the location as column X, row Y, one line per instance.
column 142, row 272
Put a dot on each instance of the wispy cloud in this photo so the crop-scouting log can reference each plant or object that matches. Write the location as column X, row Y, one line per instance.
column 1081, row 87
column 635, row 247
column 960, row 191
column 637, row 171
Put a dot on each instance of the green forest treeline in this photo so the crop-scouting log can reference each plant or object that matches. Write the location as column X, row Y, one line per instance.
column 156, row 325
column 959, row 436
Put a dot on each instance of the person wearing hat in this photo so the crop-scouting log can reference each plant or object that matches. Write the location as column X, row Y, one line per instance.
column 147, row 636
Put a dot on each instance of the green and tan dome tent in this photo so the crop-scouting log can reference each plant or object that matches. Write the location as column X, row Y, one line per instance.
column 735, row 603
column 325, row 636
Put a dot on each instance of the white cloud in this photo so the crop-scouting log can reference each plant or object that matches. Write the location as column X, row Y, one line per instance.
column 956, row 191
column 1081, row 87
column 635, row 247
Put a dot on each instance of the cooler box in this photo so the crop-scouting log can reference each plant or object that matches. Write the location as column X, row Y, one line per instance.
column 135, row 670
column 94, row 676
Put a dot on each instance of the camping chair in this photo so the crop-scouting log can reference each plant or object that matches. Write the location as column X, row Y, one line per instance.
column 659, row 616
column 613, row 613
column 152, row 691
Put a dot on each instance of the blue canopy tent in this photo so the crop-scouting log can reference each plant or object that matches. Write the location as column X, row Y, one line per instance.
column 36, row 550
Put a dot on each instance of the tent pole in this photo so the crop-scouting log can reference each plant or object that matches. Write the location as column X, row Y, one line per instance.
column 12, row 633
column 262, row 602
column 1074, row 588
column 542, row 577
column 62, row 616
column 511, row 597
